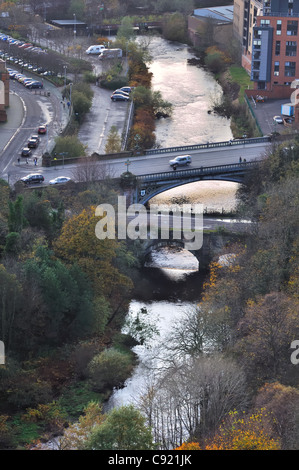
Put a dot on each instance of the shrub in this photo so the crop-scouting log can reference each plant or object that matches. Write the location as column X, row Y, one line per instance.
column 109, row 369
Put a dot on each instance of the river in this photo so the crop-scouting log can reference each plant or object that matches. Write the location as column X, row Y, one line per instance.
column 170, row 282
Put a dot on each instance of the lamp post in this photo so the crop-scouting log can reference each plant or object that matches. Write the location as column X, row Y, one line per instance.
column 75, row 21
column 65, row 67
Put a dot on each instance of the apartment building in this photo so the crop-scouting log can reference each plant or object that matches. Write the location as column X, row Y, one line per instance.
column 245, row 15
column 275, row 59
column 270, row 41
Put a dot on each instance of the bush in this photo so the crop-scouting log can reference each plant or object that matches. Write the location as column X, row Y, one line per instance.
column 114, row 83
column 70, row 145
column 109, row 369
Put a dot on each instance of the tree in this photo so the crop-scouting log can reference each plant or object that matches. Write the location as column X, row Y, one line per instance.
column 283, row 404
column 16, row 219
column 245, row 432
column 10, row 295
column 174, row 27
column 81, row 104
column 70, row 146
column 126, row 29
column 191, row 398
column 266, row 332
column 78, row 244
column 113, row 144
column 124, row 428
column 75, row 436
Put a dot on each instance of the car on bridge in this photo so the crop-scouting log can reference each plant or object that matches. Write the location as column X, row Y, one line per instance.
column 181, row 160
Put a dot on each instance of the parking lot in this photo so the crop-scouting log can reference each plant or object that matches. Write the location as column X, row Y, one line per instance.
column 264, row 113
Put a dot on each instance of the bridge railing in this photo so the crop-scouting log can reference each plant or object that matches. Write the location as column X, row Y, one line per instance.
column 209, row 145
column 202, row 171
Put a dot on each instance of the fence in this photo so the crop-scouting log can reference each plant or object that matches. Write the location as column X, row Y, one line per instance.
column 208, row 145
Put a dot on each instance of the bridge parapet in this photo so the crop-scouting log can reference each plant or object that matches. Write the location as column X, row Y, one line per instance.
column 210, row 145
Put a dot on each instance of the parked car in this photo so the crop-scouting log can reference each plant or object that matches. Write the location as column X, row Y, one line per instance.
column 120, row 92
column 278, row 119
column 119, row 97
column 33, row 178
column 60, row 179
column 34, row 84
column 42, row 130
column 26, row 152
column 180, row 161
column 127, row 89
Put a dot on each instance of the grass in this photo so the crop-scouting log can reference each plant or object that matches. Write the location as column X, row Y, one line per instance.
column 239, row 75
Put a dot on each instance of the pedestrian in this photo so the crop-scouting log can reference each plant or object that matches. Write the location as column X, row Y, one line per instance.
column 19, row 160
column 26, row 160
column 35, row 161
column 240, row 159
column 244, row 160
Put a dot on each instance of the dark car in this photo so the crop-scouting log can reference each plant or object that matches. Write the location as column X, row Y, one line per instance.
column 33, row 178
column 119, row 97
column 34, row 84
column 26, row 152
column 32, row 143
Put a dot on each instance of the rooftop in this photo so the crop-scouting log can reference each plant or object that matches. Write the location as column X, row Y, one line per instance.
column 219, row 14
column 68, row 22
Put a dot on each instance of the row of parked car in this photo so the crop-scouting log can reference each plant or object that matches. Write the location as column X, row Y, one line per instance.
column 122, row 94
column 20, row 44
column 28, row 82
column 12, row 55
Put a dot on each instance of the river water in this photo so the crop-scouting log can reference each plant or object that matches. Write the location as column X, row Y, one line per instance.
column 170, row 282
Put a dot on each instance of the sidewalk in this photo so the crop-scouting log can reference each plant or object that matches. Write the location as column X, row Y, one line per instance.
column 15, row 116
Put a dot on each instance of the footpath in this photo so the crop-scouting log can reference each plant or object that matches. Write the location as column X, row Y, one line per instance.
column 15, row 117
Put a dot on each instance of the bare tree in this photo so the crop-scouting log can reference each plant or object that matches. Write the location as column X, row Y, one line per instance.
column 190, row 400
column 90, row 169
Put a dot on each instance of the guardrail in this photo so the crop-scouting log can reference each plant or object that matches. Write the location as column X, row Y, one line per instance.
column 209, row 145
column 202, row 171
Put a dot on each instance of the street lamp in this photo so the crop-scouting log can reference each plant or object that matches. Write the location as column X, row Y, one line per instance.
column 75, row 25
column 65, row 67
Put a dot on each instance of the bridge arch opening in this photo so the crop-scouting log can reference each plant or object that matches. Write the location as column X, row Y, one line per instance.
column 217, row 196
column 173, row 259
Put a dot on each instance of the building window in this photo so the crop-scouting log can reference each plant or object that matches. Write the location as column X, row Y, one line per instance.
column 276, row 69
column 278, row 27
column 289, row 69
column 291, row 48
column 292, row 28
column 277, row 48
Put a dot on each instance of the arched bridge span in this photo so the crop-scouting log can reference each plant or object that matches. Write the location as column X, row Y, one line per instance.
column 150, row 185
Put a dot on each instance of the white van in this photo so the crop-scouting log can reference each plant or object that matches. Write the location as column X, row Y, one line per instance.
column 110, row 53
column 95, row 49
